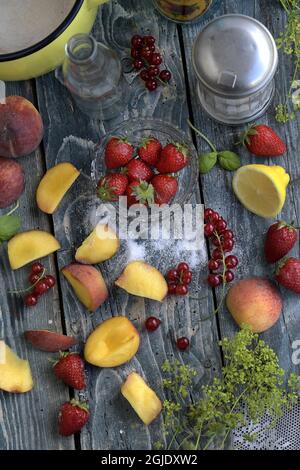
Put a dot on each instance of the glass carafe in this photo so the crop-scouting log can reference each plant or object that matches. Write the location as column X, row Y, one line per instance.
column 92, row 73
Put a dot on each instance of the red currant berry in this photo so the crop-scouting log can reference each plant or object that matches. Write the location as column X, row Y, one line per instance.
column 152, row 323
column 207, row 214
column 228, row 235
column 187, row 277
column 50, row 281
column 37, row 268
column 138, row 64
column 41, row 287
column 213, row 264
column 136, row 41
column 231, row 262
column 172, row 288
column 208, row 230
column 144, row 75
column 181, row 289
column 135, row 53
column 146, row 53
column 182, row 343
column 165, row 76
column 217, row 254
column 214, row 218
column 153, row 71
column 155, row 58
column 172, row 275
column 228, row 245
column 30, row 300
column 151, row 85
column 213, row 280
column 33, row 278
column 151, row 47
column 229, row 276
column 216, row 242
column 221, row 225
column 182, row 267
column 149, row 40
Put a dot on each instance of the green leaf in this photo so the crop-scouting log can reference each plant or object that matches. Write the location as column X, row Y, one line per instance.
column 9, row 225
column 207, row 161
column 229, row 160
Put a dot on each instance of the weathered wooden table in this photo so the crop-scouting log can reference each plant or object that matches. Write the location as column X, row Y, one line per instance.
column 29, row 421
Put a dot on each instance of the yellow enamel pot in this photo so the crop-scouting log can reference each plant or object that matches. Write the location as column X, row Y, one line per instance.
column 48, row 53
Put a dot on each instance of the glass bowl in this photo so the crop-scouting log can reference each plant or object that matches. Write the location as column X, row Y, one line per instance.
column 136, row 130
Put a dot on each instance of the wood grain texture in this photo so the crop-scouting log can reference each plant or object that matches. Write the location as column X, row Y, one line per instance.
column 114, row 424
column 248, row 228
column 28, row 421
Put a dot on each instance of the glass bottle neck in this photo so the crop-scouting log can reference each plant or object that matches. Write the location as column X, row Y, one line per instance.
column 81, row 49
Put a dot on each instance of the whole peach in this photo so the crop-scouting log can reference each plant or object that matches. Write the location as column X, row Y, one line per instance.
column 21, row 127
column 12, row 181
column 255, row 302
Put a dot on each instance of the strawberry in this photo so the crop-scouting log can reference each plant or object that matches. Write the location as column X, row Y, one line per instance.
column 70, row 369
column 118, row 152
column 111, row 186
column 288, row 274
column 138, row 170
column 280, row 239
column 165, row 188
column 149, row 150
column 73, row 415
column 173, row 157
column 139, row 192
column 262, row 141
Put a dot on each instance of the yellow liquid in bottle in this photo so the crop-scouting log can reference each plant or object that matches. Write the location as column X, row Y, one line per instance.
column 183, row 10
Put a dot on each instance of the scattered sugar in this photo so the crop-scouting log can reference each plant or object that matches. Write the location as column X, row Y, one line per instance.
column 135, row 251
column 50, row 322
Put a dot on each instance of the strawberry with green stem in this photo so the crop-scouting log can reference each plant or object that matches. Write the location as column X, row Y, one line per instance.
column 73, row 415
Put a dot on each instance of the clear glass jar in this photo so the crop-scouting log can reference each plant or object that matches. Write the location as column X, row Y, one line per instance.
column 92, row 73
column 183, row 11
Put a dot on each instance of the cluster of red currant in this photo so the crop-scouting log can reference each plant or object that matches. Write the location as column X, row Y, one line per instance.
column 40, row 284
column 147, row 60
column 223, row 239
column 152, row 323
column 178, row 279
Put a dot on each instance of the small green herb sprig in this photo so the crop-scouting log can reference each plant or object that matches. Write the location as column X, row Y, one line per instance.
column 289, row 42
column 9, row 225
column 227, row 160
column 251, row 376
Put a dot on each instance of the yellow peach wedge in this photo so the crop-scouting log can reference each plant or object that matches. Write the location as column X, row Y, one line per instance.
column 141, row 397
column 15, row 373
column 26, row 247
column 88, row 284
column 112, row 343
column 143, row 280
column 54, row 185
column 101, row 245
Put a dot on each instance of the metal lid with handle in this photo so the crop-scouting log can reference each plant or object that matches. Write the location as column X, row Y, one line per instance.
column 235, row 56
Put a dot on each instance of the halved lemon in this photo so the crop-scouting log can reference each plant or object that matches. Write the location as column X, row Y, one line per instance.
column 261, row 188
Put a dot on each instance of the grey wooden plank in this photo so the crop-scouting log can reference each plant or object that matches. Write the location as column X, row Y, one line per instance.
column 248, row 228
column 28, row 421
column 113, row 425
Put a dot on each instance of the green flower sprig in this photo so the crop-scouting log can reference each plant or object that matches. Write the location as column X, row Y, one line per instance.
column 252, row 376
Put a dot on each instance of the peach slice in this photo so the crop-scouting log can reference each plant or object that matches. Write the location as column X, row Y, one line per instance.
column 15, row 373
column 101, row 245
column 143, row 280
column 112, row 343
column 54, row 185
column 49, row 341
column 88, row 284
column 142, row 398
column 26, row 247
